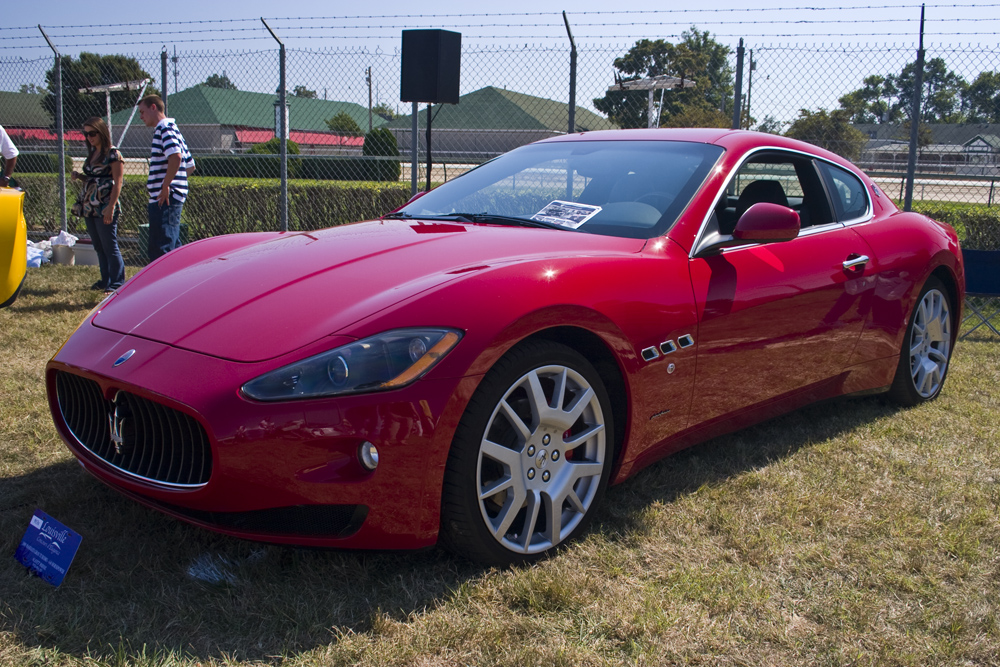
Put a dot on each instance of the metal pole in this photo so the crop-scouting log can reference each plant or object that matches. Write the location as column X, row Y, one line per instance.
column 918, row 84
column 738, row 87
column 59, row 129
column 413, row 150
column 572, row 77
column 430, row 108
column 163, row 75
column 368, row 78
column 753, row 66
column 107, row 106
column 283, row 128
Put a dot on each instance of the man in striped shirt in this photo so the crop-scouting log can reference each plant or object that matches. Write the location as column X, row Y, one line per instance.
column 170, row 163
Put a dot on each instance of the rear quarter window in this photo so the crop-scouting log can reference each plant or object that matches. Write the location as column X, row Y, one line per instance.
column 849, row 195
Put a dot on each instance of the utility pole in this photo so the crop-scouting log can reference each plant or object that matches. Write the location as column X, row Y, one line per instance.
column 174, row 60
column 368, row 78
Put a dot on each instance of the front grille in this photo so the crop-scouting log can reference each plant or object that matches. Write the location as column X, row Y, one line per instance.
column 154, row 442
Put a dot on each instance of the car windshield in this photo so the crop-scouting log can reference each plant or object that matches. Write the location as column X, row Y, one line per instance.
column 634, row 189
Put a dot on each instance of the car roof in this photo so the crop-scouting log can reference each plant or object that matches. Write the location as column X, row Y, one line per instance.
column 738, row 141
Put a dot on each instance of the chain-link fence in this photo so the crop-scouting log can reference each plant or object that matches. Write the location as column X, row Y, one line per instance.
column 349, row 150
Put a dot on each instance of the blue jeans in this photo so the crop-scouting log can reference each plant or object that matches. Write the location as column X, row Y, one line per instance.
column 164, row 228
column 109, row 257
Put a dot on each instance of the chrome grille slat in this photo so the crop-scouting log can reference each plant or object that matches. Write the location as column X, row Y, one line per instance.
column 160, row 444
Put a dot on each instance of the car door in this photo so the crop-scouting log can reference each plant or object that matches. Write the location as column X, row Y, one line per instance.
column 778, row 317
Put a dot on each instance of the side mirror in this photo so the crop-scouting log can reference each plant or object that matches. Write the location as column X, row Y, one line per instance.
column 767, row 223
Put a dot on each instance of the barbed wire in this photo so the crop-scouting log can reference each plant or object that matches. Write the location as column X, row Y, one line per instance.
column 526, row 14
column 160, row 34
column 602, row 37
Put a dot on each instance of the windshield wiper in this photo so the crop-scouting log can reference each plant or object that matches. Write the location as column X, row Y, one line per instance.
column 493, row 219
column 483, row 218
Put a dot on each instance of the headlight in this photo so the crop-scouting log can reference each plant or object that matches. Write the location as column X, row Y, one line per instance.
column 387, row 361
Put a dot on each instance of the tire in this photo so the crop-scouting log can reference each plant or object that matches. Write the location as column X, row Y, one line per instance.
column 525, row 473
column 926, row 349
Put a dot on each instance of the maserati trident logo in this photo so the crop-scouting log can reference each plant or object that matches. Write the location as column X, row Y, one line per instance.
column 116, row 424
column 125, row 357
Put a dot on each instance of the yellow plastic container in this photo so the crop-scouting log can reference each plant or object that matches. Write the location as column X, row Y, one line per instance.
column 13, row 244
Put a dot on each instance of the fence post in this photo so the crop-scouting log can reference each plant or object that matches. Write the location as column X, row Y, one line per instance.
column 918, row 84
column 282, row 129
column 413, row 149
column 738, row 88
column 163, row 75
column 572, row 78
column 59, row 130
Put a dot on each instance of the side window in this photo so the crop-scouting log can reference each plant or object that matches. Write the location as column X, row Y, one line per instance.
column 778, row 179
column 850, row 198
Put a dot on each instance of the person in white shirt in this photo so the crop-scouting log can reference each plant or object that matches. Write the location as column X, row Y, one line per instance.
column 170, row 163
column 9, row 152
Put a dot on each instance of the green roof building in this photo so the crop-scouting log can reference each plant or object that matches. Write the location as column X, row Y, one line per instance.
column 491, row 121
column 219, row 120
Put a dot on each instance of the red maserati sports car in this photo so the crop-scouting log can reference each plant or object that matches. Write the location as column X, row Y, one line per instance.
column 478, row 366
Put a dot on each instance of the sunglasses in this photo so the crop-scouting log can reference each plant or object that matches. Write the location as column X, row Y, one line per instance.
column 91, row 134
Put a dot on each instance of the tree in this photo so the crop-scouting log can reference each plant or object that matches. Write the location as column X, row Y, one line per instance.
column 216, row 81
column 940, row 100
column 93, row 70
column 924, row 135
column 273, row 146
column 380, row 142
column 981, row 101
column 302, row 91
column 889, row 99
column 771, row 125
column 32, row 89
column 697, row 58
column 830, row 130
column 876, row 102
column 384, row 110
column 344, row 124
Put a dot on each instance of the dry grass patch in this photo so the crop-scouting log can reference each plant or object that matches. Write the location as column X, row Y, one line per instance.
column 845, row 533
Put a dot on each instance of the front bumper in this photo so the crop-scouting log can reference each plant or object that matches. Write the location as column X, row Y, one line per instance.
column 280, row 472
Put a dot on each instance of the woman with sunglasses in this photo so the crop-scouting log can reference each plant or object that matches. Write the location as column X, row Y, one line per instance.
column 102, row 177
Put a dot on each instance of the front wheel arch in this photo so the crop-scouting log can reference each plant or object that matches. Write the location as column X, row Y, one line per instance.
column 503, row 501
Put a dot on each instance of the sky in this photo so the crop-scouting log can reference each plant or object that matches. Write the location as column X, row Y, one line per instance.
column 201, row 29
column 235, row 24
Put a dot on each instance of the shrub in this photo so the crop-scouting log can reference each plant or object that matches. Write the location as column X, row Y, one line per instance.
column 40, row 163
column 349, row 169
column 381, row 143
column 977, row 226
column 223, row 205
column 273, row 147
column 250, row 165
column 344, row 124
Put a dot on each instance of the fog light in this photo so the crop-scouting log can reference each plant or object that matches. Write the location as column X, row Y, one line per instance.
column 368, row 455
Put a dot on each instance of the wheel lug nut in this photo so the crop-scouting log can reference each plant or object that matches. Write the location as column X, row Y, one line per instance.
column 531, row 473
column 555, row 455
column 531, row 450
column 545, row 476
column 546, row 440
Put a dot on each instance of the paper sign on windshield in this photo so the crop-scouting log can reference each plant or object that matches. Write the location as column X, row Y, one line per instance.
column 566, row 213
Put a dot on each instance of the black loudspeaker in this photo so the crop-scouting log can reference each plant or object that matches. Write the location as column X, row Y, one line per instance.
column 431, row 60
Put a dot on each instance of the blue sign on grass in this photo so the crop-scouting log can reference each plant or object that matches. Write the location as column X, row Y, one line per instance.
column 48, row 548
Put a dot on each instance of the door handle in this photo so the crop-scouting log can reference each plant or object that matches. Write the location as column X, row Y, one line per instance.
column 855, row 262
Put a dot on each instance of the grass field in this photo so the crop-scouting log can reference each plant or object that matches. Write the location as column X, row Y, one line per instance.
column 849, row 533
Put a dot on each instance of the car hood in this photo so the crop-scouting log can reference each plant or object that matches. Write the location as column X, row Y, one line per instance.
column 253, row 297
